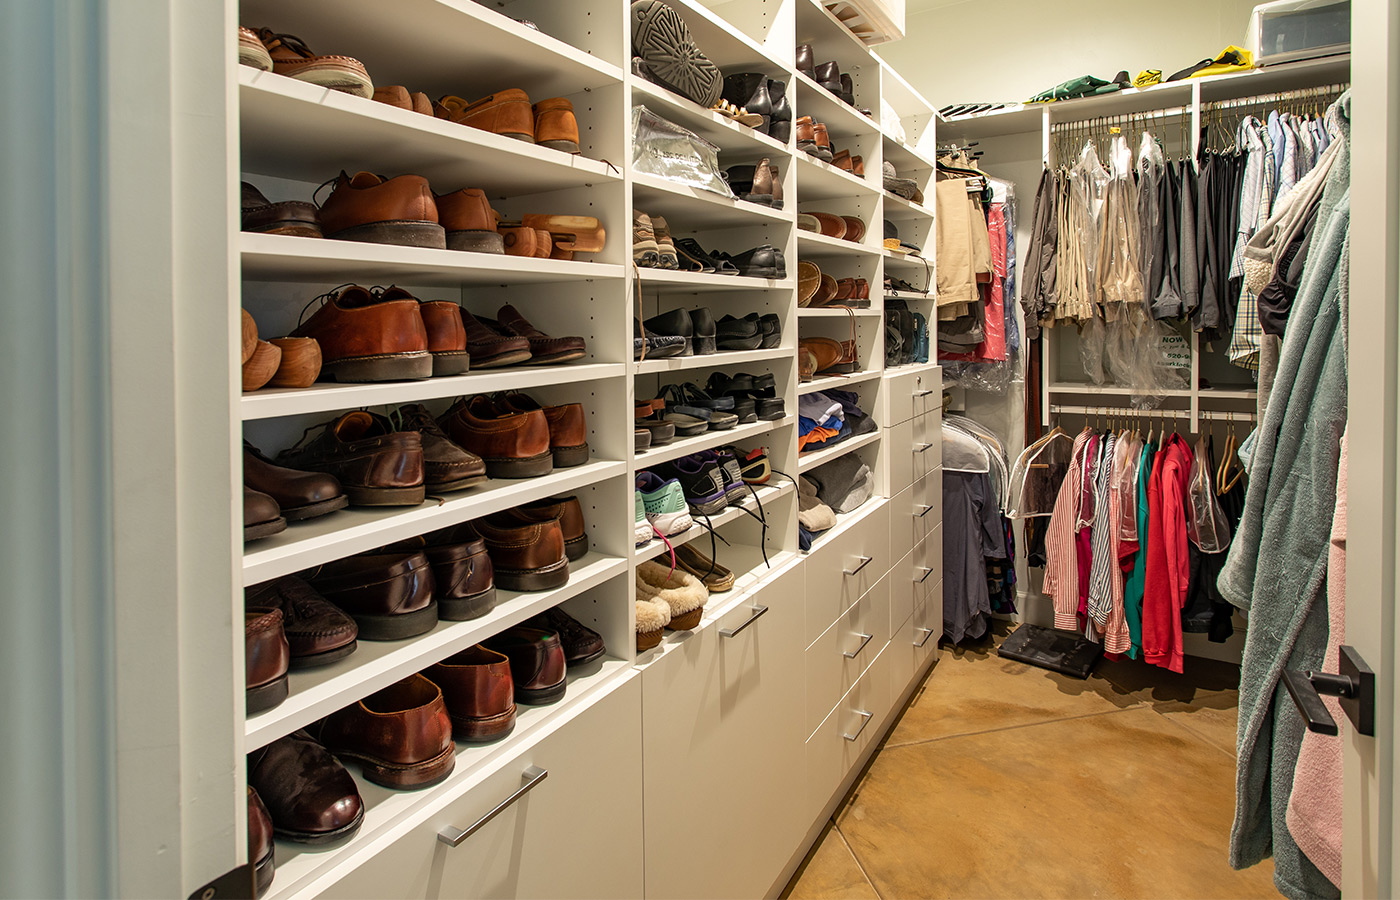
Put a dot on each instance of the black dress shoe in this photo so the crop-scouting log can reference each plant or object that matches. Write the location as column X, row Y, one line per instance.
column 750, row 91
column 781, row 128
column 672, row 323
column 657, row 346
column 770, row 327
column 703, row 339
column 739, row 334
column 761, row 262
column 829, row 76
column 847, row 92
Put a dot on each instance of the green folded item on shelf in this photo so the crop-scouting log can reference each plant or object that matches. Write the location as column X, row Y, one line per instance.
column 1083, row 86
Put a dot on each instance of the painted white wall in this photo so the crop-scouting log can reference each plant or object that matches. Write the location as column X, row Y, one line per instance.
column 961, row 51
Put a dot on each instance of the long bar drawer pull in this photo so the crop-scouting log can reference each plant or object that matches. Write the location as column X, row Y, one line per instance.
column 864, row 639
column 927, row 573
column 865, row 716
column 864, row 561
column 922, row 393
column 922, row 447
column 928, row 633
column 533, row 776
column 926, row 511
column 757, row 611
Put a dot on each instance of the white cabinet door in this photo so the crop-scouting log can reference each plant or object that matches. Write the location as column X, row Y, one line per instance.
column 723, row 732
column 540, row 844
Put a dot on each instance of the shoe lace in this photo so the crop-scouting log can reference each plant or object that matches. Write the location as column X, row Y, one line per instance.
column 324, row 298
column 415, row 417
column 290, row 41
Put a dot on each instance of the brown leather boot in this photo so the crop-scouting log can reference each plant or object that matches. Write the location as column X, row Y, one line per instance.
column 369, row 208
column 469, row 221
column 507, row 113
column 555, row 125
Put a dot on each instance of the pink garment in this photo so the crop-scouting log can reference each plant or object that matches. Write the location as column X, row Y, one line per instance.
column 1061, row 582
column 1315, row 806
column 993, row 345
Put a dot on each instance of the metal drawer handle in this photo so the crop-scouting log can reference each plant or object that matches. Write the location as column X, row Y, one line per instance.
column 757, row 611
column 927, row 573
column 927, row 510
column 533, row 776
column 864, row 561
column 865, row 715
column 922, row 393
column 928, row 633
column 922, row 448
column 864, row 639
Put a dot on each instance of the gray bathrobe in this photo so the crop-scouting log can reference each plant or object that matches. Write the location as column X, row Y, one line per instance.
column 1277, row 565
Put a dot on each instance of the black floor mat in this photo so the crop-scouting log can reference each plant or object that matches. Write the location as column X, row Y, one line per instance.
column 1060, row 651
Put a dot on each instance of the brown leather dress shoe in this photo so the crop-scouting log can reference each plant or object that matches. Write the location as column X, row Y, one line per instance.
column 536, row 663
column 401, row 735
column 525, row 556
column 555, row 125
column 513, row 444
column 581, row 644
column 489, row 348
column 378, row 210
column 447, row 339
column 544, row 350
column 291, row 57
column 389, row 595
column 806, row 135
column 300, row 495
column 401, row 97
column 293, row 217
column 825, row 351
column 479, row 693
column 446, row 467
column 463, row 577
column 261, row 516
column 376, row 465
column 260, row 852
column 368, row 336
column 568, row 430
column 569, row 513
column 470, row 221
column 507, row 113
column 317, row 632
column 265, row 656
column 309, row 796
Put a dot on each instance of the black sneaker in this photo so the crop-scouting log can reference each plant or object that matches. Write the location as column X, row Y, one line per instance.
column 734, row 487
column 581, row 643
column 701, row 481
column 754, row 465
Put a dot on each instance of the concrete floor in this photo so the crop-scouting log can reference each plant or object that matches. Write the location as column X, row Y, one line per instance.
column 1005, row 780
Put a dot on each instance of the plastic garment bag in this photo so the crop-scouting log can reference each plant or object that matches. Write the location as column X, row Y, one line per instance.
column 1118, row 266
column 964, row 453
column 1206, row 525
column 1127, row 460
column 1038, row 474
column 1151, row 169
column 1079, row 230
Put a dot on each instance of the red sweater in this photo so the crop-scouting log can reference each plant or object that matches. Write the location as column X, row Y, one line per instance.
column 1168, row 559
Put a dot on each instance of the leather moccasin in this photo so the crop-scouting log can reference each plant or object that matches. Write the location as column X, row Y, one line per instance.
column 831, row 225
column 489, row 347
column 825, row 352
column 309, row 796
column 446, row 466
column 555, row 125
column 464, row 583
column 537, row 663
column 389, row 595
column 447, row 338
column 371, row 208
column 507, row 113
column 855, row 229
column 401, row 735
column 317, row 631
column 513, row 444
column 299, row 495
column 526, row 556
column 260, row 848
column 479, row 693
column 544, row 349
column 261, row 516
column 568, row 428
column 266, row 657
column 291, row 57
column 581, row 644
column 568, row 512
column 370, row 336
column 376, row 465
column 809, row 279
column 294, row 217
column 469, row 221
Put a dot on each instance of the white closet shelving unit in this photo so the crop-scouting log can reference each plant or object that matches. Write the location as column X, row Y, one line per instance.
column 767, row 711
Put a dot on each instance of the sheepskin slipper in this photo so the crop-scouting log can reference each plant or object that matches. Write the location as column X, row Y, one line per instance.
column 678, row 589
column 652, row 618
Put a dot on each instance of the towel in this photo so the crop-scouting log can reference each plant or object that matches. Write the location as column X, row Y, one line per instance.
column 1315, row 806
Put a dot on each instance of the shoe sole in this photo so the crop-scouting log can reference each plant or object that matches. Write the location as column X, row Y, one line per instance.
column 483, row 729
column 546, row 578
column 585, row 660
column 541, row 696
column 556, row 358
column 460, row 609
column 568, row 457
column 745, row 343
column 460, row 484
column 686, row 621
column 312, row 510
column 504, row 359
column 672, row 524
column 409, row 234
column 476, row 241
column 521, row 468
column 264, row 529
column 649, row 639
column 703, row 346
column 642, row 533
column 576, row 549
column 661, row 433
column 337, row 79
column 412, row 366
column 263, row 870
column 708, row 506
column 315, row 660
column 396, row 628
column 451, row 362
column 562, row 145
column 760, row 272
column 400, row 776
column 661, row 38
column 400, row 496
column 266, row 696
column 317, row 838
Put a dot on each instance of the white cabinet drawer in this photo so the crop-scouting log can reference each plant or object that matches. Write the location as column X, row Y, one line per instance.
column 928, row 563
column 899, row 450
column 837, row 745
column 902, row 590
column 842, row 568
column 535, row 846
column 925, row 508
column 928, row 443
column 902, row 530
column 902, row 654
column 926, row 624
column 836, row 660
column 724, row 722
column 900, row 407
column 927, row 391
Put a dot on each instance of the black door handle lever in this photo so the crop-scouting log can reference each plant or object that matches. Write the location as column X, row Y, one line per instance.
column 1354, row 686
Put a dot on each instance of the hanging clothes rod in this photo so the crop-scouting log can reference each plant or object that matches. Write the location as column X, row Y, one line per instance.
column 1131, row 412
column 1119, row 120
column 1326, row 91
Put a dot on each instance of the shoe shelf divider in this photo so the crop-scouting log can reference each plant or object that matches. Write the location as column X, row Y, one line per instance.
column 701, row 207
column 684, row 446
column 765, row 494
column 813, row 244
column 835, row 312
column 812, row 459
column 709, row 360
column 709, row 281
column 820, row 180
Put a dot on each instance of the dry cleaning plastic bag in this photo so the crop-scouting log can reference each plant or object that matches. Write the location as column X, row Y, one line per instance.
column 668, row 151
